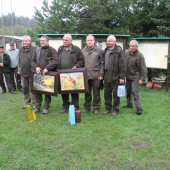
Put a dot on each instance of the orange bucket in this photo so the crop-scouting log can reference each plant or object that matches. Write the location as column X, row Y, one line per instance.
column 149, row 84
column 157, row 86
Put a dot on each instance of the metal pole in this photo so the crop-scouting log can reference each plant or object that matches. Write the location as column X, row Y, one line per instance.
column 12, row 20
column 3, row 39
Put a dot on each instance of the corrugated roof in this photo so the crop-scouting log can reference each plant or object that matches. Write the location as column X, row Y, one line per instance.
column 117, row 35
column 61, row 35
column 14, row 37
column 152, row 38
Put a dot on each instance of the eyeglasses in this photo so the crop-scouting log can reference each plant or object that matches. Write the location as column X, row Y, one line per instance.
column 43, row 40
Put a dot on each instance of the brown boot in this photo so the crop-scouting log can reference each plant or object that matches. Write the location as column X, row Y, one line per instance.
column 106, row 112
column 114, row 114
column 63, row 111
column 24, row 107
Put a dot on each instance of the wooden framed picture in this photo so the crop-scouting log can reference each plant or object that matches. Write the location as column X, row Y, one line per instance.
column 45, row 84
column 73, row 81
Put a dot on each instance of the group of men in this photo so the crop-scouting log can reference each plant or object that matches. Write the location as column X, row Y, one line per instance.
column 9, row 68
column 110, row 65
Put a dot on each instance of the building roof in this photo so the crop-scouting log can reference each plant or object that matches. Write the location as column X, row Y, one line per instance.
column 106, row 35
column 61, row 35
column 152, row 38
column 83, row 35
column 9, row 37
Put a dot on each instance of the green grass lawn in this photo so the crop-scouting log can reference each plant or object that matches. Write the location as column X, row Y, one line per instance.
column 127, row 141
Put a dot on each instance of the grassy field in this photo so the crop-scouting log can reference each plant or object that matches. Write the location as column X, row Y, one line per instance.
column 100, row 142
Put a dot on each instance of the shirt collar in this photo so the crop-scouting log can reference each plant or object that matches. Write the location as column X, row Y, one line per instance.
column 70, row 48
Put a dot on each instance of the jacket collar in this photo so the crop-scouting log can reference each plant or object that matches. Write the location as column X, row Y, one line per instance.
column 133, row 53
column 26, row 49
column 115, row 49
column 93, row 49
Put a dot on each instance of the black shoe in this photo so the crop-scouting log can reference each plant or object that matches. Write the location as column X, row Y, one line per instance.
column 12, row 92
column 139, row 112
column 3, row 91
column 20, row 89
column 126, row 106
column 14, row 88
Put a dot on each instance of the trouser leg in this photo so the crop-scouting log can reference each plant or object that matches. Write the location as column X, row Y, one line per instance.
column 135, row 92
column 129, row 93
column 88, row 97
column 8, row 82
column 17, row 78
column 116, row 102
column 75, row 100
column 12, row 78
column 25, row 81
column 38, row 100
column 66, row 103
column 107, row 95
column 47, row 101
column 96, row 95
column 2, row 84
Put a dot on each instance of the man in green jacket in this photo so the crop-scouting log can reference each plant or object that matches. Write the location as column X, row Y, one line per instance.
column 69, row 57
column 5, row 70
column 113, row 75
column 135, row 75
column 25, row 54
column 93, row 56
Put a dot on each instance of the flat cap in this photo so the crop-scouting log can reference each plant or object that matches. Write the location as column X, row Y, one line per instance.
column 11, row 43
column 1, row 46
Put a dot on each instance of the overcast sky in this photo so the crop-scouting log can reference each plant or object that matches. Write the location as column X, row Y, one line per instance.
column 20, row 7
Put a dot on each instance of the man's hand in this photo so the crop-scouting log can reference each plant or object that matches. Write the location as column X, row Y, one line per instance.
column 140, row 82
column 18, row 72
column 1, row 65
column 74, row 67
column 38, row 70
column 121, row 81
column 45, row 71
column 100, row 78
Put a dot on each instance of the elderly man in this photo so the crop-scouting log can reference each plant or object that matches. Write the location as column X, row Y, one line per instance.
column 24, row 68
column 5, row 70
column 135, row 75
column 14, row 57
column 114, row 69
column 70, row 56
column 93, row 56
column 39, row 63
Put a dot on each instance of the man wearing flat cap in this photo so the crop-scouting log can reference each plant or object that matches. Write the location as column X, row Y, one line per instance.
column 14, row 57
column 5, row 70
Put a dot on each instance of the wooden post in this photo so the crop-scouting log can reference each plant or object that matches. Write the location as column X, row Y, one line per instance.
column 167, row 78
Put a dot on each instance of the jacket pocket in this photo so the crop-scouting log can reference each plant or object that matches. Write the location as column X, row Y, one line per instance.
column 115, row 74
column 95, row 69
column 74, row 59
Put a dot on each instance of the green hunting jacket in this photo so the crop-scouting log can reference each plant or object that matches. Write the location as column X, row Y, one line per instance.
column 94, row 62
column 25, row 55
column 135, row 66
column 116, row 64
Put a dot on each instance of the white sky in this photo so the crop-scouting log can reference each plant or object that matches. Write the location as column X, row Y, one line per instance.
column 21, row 7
